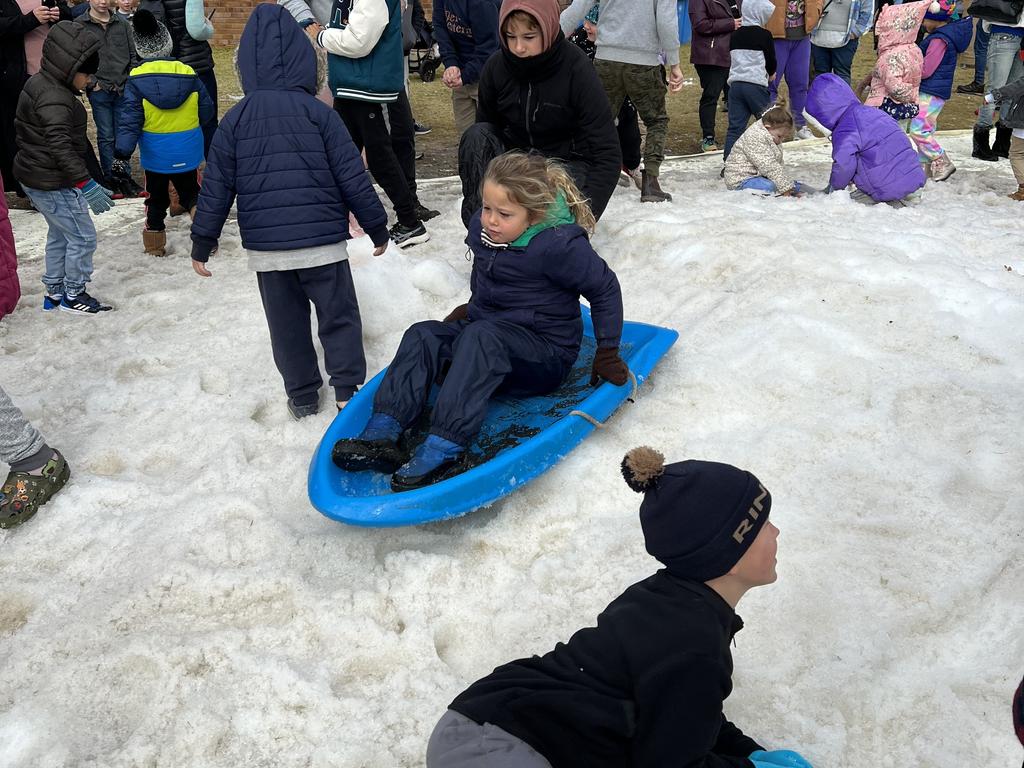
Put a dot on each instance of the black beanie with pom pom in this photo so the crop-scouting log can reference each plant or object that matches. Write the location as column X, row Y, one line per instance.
column 698, row 517
column 152, row 40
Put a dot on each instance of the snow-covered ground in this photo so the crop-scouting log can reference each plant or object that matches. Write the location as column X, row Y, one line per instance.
column 181, row 604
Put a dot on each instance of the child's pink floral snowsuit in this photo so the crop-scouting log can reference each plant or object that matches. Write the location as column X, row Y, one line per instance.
column 897, row 73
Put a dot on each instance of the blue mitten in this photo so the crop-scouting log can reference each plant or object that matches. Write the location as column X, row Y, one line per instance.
column 97, row 197
column 778, row 757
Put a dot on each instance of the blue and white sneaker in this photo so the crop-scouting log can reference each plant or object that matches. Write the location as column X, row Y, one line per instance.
column 52, row 302
column 83, row 304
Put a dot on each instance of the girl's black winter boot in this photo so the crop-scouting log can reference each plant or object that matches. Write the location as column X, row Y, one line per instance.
column 982, row 151
column 1001, row 146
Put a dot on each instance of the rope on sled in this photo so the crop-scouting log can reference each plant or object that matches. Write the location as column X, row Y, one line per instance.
column 600, row 424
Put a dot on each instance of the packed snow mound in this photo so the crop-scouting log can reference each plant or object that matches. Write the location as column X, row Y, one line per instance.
column 181, row 604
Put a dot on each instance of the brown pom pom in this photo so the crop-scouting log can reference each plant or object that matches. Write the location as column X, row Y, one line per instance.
column 642, row 467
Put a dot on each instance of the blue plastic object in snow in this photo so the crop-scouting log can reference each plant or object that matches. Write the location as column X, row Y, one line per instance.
column 683, row 13
column 520, row 439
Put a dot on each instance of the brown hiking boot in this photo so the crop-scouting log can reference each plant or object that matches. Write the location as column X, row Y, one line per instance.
column 155, row 243
column 1019, row 194
column 650, row 190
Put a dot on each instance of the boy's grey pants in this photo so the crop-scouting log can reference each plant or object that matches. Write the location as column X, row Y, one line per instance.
column 458, row 742
column 19, row 440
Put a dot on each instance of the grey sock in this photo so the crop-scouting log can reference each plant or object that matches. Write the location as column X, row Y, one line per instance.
column 36, row 461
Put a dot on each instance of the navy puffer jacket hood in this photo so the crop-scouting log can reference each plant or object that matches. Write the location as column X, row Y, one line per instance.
column 274, row 53
column 283, row 155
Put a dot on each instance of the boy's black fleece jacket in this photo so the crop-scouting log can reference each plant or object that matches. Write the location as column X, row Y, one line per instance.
column 644, row 688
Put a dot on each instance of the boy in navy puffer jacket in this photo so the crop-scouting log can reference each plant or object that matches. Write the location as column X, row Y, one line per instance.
column 945, row 41
column 296, row 174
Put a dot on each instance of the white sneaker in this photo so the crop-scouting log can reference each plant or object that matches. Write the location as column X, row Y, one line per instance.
column 804, row 133
column 942, row 168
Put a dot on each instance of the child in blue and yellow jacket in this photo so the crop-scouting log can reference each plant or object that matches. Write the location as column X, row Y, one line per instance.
column 164, row 107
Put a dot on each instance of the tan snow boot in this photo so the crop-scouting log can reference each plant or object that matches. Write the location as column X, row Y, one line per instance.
column 1019, row 194
column 176, row 208
column 650, row 190
column 155, row 243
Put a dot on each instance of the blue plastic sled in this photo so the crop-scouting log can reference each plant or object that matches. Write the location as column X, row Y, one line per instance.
column 520, row 439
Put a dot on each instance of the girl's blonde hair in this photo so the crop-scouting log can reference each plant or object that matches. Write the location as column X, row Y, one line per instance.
column 777, row 116
column 533, row 181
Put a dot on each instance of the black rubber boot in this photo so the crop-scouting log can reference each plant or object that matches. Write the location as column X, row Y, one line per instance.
column 1001, row 146
column 356, row 455
column 982, row 151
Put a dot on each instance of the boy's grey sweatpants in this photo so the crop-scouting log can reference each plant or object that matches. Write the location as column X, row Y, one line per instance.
column 19, row 440
column 458, row 742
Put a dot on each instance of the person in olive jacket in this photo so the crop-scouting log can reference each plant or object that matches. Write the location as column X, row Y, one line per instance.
column 713, row 22
column 645, row 687
column 51, row 164
column 540, row 92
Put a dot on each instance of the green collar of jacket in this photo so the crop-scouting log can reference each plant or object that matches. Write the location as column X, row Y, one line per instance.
column 558, row 214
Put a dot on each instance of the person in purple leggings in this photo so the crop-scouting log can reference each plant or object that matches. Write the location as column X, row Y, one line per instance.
column 791, row 26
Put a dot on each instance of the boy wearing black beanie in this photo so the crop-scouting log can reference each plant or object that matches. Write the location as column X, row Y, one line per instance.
column 645, row 687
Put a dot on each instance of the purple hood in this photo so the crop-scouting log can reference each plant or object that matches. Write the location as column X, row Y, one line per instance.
column 868, row 147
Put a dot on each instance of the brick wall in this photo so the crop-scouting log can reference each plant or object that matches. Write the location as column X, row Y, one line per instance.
column 230, row 19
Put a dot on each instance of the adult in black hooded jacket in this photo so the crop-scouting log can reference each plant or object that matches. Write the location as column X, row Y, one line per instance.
column 552, row 103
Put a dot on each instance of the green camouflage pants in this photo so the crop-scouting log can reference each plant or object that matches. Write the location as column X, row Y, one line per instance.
column 645, row 86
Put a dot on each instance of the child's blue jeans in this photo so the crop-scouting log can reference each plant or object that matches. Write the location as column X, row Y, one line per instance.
column 104, row 113
column 71, row 241
column 762, row 184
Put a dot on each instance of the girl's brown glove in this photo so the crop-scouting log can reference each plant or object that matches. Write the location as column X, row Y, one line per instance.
column 609, row 366
column 461, row 312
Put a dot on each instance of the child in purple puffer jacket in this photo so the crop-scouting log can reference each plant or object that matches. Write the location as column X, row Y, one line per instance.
column 868, row 147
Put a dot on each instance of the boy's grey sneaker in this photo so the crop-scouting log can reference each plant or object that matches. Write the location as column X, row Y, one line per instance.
column 421, row 129
column 52, row 302
column 302, row 411
column 83, row 304
column 403, row 236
